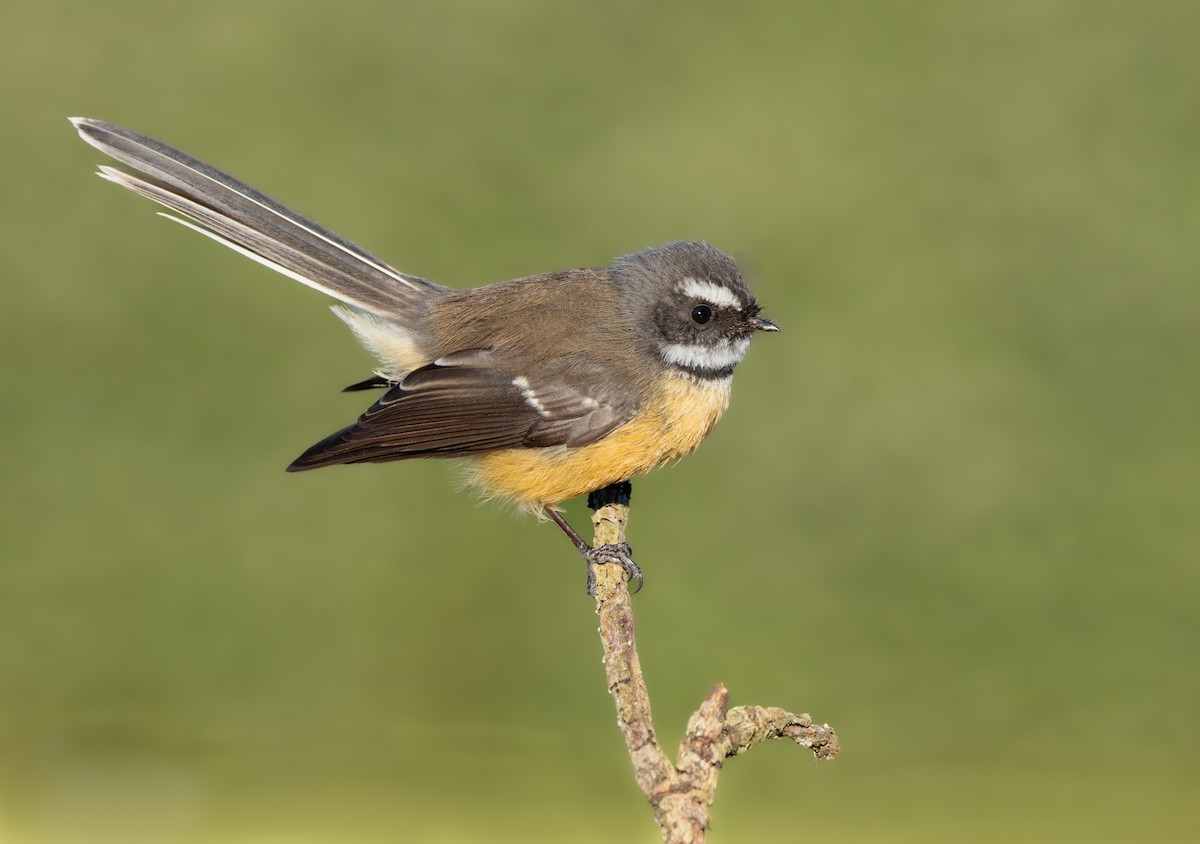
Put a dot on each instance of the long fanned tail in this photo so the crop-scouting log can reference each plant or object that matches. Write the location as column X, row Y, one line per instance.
column 232, row 213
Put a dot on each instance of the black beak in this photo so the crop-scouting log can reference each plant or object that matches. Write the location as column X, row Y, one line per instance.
column 760, row 324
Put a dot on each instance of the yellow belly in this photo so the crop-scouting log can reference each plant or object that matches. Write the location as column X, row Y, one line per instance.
column 669, row 427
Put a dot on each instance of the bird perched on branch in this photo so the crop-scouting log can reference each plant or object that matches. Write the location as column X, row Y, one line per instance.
column 553, row 385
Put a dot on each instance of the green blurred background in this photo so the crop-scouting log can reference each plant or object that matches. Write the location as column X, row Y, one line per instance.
column 954, row 509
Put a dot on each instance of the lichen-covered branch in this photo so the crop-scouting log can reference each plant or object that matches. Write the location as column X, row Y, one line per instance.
column 681, row 792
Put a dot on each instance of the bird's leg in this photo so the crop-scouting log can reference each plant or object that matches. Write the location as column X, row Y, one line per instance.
column 621, row 555
column 576, row 540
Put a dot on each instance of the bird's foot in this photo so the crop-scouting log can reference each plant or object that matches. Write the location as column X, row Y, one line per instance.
column 617, row 555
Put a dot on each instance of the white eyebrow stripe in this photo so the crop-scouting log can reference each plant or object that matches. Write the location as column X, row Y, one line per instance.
column 714, row 294
column 713, row 358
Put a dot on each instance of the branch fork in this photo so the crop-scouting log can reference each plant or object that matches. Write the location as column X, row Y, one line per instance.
column 681, row 792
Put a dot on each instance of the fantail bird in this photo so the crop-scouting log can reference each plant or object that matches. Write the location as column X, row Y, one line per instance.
column 552, row 385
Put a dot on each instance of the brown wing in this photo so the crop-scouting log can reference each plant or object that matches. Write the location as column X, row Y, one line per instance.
column 465, row 404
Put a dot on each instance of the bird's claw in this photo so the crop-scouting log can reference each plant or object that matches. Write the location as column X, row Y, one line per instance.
column 617, row 555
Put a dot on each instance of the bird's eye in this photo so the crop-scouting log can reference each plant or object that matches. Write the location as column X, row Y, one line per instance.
column 701, row 314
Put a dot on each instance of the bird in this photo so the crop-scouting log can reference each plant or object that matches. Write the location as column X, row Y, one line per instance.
column 550, row 386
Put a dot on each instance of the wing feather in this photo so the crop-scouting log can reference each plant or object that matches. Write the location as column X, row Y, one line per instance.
column 463, row 405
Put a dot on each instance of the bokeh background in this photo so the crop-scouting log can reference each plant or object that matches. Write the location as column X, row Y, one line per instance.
column 954, row 509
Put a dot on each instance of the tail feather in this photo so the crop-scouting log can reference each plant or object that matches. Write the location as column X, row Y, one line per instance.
column 255, row 225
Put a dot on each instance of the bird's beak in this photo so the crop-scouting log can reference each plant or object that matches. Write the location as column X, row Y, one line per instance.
column 760, row 324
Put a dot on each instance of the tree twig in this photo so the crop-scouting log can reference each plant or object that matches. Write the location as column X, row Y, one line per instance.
column 680, row 793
